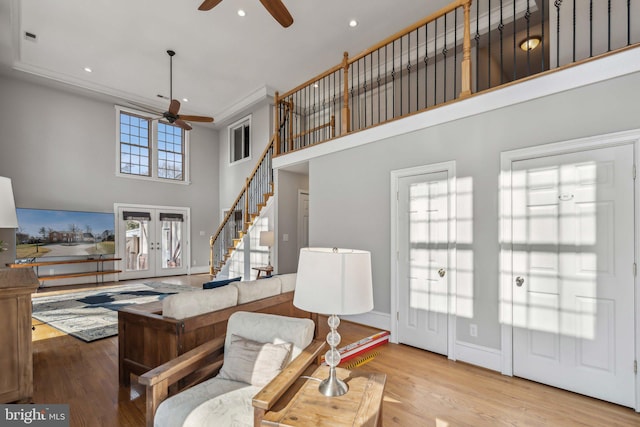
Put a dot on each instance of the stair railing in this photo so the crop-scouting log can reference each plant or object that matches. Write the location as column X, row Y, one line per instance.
column 253, row 197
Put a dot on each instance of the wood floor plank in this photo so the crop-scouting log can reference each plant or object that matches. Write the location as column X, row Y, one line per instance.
column 423, row 389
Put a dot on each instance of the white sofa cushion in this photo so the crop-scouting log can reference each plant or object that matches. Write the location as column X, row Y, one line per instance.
column 287, row 281
column 187, row 304
column 257, row 289
column 262, row 327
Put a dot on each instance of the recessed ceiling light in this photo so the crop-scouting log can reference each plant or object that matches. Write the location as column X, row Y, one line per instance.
column 530, row 43
column 353, row 23
column 88, row 70
column 185, row 99
column 241, row 12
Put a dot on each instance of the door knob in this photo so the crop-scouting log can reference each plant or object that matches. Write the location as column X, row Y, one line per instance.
column 442, row 272
column 519, row 281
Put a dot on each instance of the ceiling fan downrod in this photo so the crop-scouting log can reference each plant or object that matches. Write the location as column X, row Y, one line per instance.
column 171, row 54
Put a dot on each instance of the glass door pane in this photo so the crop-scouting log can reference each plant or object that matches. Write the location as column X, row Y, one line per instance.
column 137, row 245
column 171, row 244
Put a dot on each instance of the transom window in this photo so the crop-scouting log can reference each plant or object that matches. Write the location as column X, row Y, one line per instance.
column 240, row 140
column 150, row 149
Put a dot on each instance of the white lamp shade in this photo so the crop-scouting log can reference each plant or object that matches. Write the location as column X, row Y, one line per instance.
column 267, row 238
column 334, row 281
column 8, row 218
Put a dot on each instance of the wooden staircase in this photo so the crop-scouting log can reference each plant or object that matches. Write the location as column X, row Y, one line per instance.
column 244, row 212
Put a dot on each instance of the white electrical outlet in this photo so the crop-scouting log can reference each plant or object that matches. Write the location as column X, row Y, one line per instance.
column 194, row 262
column 473, row 330
column 52, row 271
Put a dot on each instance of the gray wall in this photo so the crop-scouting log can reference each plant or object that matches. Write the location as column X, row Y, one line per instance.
column 350, row 200
column 59, row 148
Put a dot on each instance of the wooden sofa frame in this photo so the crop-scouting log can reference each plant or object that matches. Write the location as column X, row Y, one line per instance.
column 146, row 339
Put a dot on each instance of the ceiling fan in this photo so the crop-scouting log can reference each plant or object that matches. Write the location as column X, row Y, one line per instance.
column 171, row 115
column 274, row 7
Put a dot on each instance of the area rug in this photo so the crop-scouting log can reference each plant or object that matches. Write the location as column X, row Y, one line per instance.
column 92, row 315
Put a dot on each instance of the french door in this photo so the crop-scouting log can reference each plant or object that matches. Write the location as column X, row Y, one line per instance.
column 152, row 241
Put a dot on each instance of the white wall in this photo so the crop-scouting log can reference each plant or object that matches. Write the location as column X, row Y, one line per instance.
column 59, row 148
column 350, row 203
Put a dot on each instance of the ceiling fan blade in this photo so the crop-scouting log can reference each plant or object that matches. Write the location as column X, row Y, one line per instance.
column 278, row 10
column 196, row 118
column 209, row 4
column 174, row 107
column 182, row 124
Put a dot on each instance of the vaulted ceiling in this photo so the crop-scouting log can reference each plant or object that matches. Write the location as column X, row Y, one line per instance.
column 223, row 61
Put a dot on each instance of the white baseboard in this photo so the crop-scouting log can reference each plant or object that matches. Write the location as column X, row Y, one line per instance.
column 199, row 270
column 375, row 319
column 478, row 355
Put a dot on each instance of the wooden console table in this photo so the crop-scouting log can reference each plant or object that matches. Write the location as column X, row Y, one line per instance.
column 304, row 405
column 99, row 270
column 16, row 354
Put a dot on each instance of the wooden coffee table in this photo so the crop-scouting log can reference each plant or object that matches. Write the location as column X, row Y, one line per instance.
column 304, row 405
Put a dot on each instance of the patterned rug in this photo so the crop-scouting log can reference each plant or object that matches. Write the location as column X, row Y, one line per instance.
column 93, row 315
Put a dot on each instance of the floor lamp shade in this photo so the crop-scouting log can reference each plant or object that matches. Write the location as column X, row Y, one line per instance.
column 8, row 218
column 334, row 281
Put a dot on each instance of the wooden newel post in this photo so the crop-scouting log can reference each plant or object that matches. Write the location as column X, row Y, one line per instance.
column 466, row 53
column 276, row 126
column 346, row 122
column 211, row 271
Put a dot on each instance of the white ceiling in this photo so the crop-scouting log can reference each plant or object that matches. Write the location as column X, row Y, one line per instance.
column 223, row 61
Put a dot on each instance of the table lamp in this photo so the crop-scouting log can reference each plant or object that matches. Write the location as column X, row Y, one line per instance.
column 334, row 281
column 267, row 238
column 8, row 218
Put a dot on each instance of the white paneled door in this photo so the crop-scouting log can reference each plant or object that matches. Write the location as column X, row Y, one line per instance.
column 423, row 246
column 152, row 241
column 573, row 272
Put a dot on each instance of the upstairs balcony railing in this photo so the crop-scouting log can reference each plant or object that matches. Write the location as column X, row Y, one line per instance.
column 464, row 48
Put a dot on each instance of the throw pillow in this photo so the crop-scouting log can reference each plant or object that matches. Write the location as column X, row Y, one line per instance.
column 253, row 362
column 218, row 283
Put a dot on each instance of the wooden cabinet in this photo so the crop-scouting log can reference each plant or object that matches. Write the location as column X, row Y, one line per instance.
column 16, row 355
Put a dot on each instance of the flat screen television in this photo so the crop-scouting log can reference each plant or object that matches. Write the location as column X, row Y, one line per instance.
column 45, row 233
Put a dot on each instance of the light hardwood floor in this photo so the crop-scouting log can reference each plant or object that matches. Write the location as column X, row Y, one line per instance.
column 423, row 389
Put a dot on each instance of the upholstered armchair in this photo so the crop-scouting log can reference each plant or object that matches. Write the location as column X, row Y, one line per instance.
column 261, row 355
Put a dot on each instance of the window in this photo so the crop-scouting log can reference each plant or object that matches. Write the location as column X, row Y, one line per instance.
column 152, row 149
column 240, row 140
